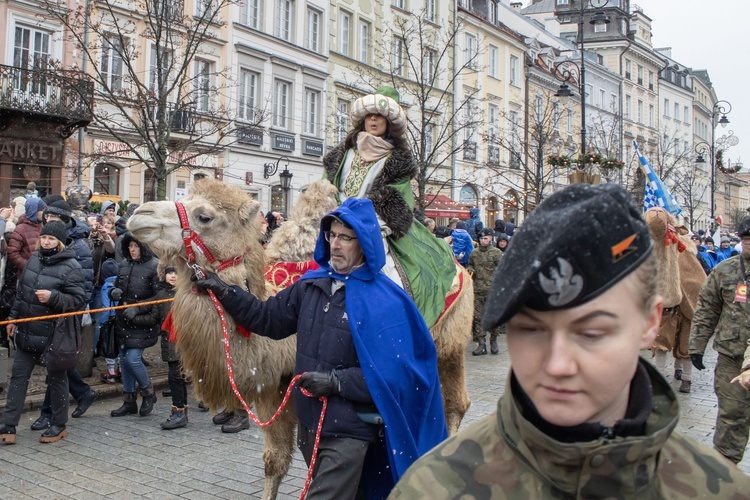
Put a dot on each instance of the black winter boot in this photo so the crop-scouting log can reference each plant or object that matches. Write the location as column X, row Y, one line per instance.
column 481, row 349
column 129, row 405
column 493, row 346
column 149, row 398
column 178, row 418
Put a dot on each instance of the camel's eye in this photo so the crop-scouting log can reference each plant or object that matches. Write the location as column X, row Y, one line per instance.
column 204, row 219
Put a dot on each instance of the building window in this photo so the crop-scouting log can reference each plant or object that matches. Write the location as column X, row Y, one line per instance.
column 627, row 69
column 149, row 185
column 640, row 111
column 159, row 67
column 556, row 115
column 397, row 56
column 570, row 121
column 628, row 103
column 344, row 32
column 401, row 4
column 514, row 70
column 106, row 179
column 429, row 10
column 250, row 13
column 613, row 103
column 284, row 10
column 364, row 41
column 428, row 72
column 686, row 114
column 470, row 51
column 248, row 95
column 650, row 115
column 493, row 55
column 602, row 98
column 429, row 140
column 281, row 104
column 202, row 84
column 640, row 75
column 342, row 119
column 493, row 10
column 493, row 122
column 204, row 9
column 31, row 50
column 312, row 100
column 676, row 111
column 312, row 30
column 651, row 80
column 666, row 108
column 111, row 67
column 538, row 109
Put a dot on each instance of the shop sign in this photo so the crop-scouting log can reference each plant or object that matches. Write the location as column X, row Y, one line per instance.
column 313, row 148
column 26, row 151
column 283, row 142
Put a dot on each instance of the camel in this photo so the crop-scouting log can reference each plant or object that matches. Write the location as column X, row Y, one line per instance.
column 680, row 277
column 227, row 222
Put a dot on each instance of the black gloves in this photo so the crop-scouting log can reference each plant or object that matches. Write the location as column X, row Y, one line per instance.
column 130, row 313
column 115, row 294
column 213, row 283
column 697, row 360
column 321, row 383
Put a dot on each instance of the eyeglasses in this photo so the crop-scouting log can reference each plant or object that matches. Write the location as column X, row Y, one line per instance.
column 343, row 239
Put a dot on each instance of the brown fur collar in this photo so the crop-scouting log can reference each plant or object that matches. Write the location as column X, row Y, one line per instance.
column 388, row 202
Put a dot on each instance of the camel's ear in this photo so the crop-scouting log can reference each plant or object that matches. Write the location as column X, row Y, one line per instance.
column 249, row 211
column 682, row 230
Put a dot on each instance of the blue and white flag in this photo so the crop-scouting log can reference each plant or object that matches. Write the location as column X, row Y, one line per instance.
column 656, row 193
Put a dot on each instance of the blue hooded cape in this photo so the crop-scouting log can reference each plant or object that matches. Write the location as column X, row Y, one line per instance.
column 394, row 346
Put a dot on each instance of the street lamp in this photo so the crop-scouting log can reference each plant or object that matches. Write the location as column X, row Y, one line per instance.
column 285, row 177
column 566, row 76
column 721, row 108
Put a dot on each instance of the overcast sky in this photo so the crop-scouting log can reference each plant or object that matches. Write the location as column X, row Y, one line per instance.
column 711, row 35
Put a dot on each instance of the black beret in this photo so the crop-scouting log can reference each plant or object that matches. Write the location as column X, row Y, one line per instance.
column 744, row 228
column 575, row 245
column 485, row 232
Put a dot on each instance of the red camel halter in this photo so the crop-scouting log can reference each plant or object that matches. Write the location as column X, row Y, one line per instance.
column 188, row 238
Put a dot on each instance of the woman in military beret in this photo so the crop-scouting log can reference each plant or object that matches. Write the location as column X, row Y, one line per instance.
column 375, row 162
column 583, row 416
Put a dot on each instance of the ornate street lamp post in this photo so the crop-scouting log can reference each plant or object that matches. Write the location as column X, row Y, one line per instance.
column 721, row 108
column 285, row 177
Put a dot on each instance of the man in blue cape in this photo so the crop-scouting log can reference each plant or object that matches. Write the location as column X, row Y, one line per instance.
column 361, row 342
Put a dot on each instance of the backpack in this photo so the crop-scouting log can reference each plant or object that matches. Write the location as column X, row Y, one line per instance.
column 64, row 348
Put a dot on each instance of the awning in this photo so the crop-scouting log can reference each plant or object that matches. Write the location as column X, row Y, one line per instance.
column 439, row 205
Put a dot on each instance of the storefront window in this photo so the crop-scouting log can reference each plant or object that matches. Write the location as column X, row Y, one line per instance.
column 106, row 179
column 468, row 196
column 23, row 174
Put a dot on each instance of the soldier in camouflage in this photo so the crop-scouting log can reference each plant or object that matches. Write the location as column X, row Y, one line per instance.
column 722, row 312
column 482, row 264
column 582, row 415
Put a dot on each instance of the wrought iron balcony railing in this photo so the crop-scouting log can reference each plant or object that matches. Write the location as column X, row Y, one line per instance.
column 63, row 94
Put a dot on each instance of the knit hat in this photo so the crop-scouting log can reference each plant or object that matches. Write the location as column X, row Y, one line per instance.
column 461, row 225
column 170, row 269
column 709, row 240
column 109, row 268
column 725, row 239
column 577, row 244
column 61, row 209
column 385, row 101
column 56, row 229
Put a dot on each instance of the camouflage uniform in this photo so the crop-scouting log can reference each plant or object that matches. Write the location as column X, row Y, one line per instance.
column 718, row 314
column 482, row 264
column 503, row 456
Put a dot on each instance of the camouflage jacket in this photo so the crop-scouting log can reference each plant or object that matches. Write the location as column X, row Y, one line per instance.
column 718, row 314
column 482, row 264
column 504, row 456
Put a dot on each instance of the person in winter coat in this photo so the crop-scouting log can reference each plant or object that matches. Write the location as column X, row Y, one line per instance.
column 463, row 245
column 23, row 240
column 510, row 227
column 482, row 264
column 375, row 162
column 474, row 224
column 499, row 228
column 121, row 230
column 135, row 327
column 52, row 283
column 583, row 415
column 177, row 386
column 109, row 208
column 362, row 343
column 102, row 244
column 502, row 242
column 110, row 268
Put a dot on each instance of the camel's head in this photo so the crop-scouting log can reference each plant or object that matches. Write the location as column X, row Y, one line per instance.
column 224, row 217
column 658, row 221
column 317, row 200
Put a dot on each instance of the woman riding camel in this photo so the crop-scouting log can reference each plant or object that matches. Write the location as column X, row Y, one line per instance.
column 374, row 161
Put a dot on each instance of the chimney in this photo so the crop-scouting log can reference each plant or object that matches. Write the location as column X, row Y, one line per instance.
column 516, row 6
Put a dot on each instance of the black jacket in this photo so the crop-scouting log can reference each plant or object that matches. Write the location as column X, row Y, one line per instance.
column 77, row 239
column 62, row 275
column 324, row 343
column 139, row 282
column 160, row 312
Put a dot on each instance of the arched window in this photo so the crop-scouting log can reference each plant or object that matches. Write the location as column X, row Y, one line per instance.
column 106, row 179
column 510, row 205
column 493, row 211
column 199, row 176
column 468, row 196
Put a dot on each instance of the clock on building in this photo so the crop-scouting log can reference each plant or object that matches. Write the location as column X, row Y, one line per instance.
column 598, row 4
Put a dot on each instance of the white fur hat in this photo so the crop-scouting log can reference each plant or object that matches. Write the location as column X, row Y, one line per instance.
column 383, row 102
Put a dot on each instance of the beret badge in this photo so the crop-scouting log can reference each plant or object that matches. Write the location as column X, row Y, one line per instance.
column 562, row 286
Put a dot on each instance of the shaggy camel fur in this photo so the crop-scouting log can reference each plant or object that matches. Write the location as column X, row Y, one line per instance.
column 679, row 281
column 227, row 221
column 295, row 241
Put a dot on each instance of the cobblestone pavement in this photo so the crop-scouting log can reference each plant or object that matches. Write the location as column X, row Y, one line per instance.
column 132, row 456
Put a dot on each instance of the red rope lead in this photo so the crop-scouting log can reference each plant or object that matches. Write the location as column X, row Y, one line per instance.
column 284, row 401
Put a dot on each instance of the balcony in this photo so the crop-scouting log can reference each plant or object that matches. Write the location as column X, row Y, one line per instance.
column 64, row 96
